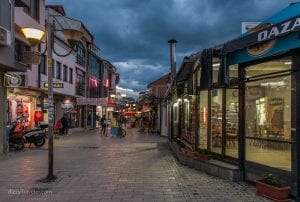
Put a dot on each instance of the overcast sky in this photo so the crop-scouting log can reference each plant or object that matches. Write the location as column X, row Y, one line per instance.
column 133, row 34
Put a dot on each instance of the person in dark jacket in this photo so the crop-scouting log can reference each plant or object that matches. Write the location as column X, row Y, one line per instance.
column 103, row 125
column 65, row 127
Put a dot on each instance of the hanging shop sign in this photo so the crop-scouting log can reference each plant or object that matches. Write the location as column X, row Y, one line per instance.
column 266, row 33
column 55, row 85
column 92, row 101
column 15, row 80
column 279, row 29
column 67, row 106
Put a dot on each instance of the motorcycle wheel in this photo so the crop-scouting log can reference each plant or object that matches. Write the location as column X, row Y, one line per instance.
column 18, row 144
column 39, row 141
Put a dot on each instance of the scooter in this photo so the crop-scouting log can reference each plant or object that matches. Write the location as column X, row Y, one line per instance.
column 36, row 136
column 16, row 139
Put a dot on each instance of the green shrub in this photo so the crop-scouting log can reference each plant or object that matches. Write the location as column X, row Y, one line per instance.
column 270, row 179
column 204, row 151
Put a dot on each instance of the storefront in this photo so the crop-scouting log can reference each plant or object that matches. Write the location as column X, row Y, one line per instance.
column 25, row 107
column 246, row 101
column 21, row 109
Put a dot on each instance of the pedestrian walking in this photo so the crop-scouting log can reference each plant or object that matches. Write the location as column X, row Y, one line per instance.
column 64, row 123
column 103, row 123
column 57, row 129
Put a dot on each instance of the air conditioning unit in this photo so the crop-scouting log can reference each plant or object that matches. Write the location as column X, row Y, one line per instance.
column 5, row 37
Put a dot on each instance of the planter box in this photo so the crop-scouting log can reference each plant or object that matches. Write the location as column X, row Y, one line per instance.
column 202, row 156
column 271, row 192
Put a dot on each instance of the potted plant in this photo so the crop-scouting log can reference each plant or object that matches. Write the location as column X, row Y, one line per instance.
column 271, row 187
column 203, row 154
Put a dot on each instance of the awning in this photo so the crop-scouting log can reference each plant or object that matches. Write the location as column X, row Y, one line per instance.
column 280, row 24
column 129, row 113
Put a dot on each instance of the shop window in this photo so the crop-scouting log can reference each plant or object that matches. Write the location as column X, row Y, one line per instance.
column 233, row 73
column 189, row 119
column 232, row 122
column 268, row 121
column 267, row 68
column 216, row 120
column 203, row 120
column 175, row 118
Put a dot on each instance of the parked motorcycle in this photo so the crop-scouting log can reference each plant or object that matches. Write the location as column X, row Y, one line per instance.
column 36, row 136
column 16, row 139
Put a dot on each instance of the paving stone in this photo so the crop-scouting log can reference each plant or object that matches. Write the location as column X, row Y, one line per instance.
column 136, row 168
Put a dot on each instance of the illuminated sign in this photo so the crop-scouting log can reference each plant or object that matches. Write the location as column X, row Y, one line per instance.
column 55, row 85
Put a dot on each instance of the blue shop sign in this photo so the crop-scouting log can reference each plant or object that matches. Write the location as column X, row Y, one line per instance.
column 278, row 34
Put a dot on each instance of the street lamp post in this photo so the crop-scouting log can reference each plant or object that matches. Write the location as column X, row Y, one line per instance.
column 71, row 34
column 50, row 31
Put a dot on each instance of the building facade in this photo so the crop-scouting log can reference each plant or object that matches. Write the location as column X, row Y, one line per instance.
column 239, row 101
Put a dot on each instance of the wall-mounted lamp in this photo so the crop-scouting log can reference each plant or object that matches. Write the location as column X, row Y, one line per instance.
column 34, row 36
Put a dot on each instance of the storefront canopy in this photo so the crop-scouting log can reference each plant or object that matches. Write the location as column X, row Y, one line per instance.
column 284, row 22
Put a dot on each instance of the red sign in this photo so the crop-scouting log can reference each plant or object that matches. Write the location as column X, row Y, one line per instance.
column 38, row 116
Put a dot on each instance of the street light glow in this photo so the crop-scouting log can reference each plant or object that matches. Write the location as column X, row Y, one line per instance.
column 33, row 35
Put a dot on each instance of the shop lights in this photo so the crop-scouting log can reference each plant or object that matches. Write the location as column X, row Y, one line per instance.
column 288, row 63
column 273, row 84
column 216, row 65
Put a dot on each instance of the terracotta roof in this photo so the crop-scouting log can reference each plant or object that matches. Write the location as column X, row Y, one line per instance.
column 161, row 81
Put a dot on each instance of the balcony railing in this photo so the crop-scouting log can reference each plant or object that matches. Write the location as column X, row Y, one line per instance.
column 94, row 49
column 80, row 60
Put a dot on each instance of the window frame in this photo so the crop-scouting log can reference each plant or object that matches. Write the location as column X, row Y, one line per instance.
column 65, row 73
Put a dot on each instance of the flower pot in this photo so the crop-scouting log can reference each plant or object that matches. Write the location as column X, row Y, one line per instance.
column 202, row 156
column 275, row 193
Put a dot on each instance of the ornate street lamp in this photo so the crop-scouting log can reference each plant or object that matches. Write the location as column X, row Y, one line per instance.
column 34, row 36
column 70, row 29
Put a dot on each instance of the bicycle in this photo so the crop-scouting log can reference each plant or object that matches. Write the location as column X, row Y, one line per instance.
column 121, row 132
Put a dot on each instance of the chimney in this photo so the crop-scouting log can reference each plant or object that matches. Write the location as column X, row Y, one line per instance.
column 172, row 43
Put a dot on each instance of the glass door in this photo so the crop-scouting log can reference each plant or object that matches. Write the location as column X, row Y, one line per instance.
column 216, row 120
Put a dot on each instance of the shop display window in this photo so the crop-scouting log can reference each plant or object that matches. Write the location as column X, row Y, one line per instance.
column 233, row 73
column 216, row 120
column 232, row 122
column 271, row 67
column 268, row 117
column 188, row 127
column 203, row 120
column 175, row 118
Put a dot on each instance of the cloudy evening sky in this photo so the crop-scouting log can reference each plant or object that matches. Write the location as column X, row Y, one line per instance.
column 133, row 34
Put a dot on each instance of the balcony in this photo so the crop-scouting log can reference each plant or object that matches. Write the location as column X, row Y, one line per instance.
column 94, row 49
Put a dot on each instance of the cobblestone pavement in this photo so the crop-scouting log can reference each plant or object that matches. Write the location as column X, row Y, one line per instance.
column 91, row 167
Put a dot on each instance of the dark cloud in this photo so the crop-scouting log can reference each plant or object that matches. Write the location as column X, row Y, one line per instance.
column 133, row 34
